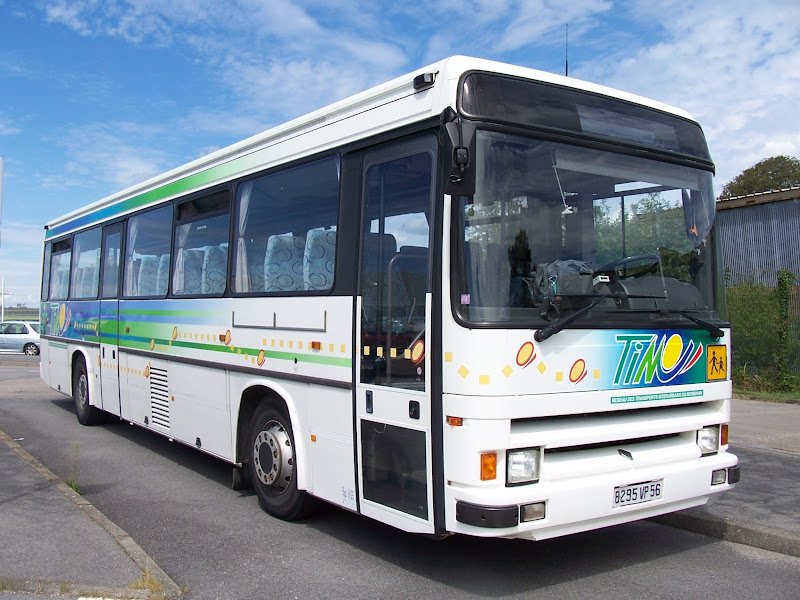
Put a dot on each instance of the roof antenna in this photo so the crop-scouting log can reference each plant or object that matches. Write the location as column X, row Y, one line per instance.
column 566, row 51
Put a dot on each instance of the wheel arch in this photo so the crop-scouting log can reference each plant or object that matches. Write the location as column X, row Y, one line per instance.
column 79, row 354
column 251, row 397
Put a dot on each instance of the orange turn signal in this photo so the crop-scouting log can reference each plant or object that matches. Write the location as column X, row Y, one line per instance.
column 455, row 421
column 723, row 438
column 488, row 466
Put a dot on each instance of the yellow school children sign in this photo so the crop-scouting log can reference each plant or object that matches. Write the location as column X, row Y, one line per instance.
column 716, row 362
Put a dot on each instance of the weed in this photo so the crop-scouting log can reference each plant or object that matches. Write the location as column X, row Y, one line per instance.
column 72, row 482
column 146, row 582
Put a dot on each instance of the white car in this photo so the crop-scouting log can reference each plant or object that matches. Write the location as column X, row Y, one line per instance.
column 20, row 336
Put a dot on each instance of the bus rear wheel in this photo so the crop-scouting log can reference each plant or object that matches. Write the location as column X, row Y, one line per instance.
column 87, row 414
column 273, row 465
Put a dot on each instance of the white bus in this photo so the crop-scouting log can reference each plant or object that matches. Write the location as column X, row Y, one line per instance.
column 477, row 299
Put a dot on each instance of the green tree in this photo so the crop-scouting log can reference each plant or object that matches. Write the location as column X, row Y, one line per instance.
column 775, row 173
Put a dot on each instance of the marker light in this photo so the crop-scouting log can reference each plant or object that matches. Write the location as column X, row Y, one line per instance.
column 708, row 440
column 488, row 466
column 522, row 466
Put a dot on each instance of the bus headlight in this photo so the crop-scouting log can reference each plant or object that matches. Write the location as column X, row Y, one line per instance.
column 708, row 440
column 522, row 466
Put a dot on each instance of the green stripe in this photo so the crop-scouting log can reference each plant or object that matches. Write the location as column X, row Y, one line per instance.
column 333, row 361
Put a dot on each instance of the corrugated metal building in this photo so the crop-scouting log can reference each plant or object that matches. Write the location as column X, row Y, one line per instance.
column 760, row 234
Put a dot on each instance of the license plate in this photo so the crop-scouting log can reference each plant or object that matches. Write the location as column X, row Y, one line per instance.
column 636, row 493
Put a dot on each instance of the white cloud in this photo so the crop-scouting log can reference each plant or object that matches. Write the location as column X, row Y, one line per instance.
column 7, row 126
column 111, row 156
column 136, row 21
column 736, row 70
column 536, row 22
column 292, row 88
column 20, row 261
column 276, row 57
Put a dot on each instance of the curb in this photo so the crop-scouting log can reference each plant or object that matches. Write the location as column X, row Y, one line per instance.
column 758, row 536
column 150, row 570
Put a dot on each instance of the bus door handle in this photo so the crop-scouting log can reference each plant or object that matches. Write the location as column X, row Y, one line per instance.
column 413, row 409
column 369, row 402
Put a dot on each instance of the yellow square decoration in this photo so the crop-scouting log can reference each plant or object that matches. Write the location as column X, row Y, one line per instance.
column 716, row 362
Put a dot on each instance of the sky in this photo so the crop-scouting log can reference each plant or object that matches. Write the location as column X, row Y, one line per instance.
column 97, row 95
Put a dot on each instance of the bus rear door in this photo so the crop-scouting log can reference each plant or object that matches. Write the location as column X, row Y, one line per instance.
column 109, row 319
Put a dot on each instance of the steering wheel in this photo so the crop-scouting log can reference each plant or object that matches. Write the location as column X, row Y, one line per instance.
column 651, row 259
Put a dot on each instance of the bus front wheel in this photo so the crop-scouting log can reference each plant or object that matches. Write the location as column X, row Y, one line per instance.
column 87, row 414
column 273, row 464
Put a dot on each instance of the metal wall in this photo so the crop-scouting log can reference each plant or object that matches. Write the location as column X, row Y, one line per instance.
column 759, row 240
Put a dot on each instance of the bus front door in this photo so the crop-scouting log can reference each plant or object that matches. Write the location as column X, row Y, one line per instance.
column 393, row 391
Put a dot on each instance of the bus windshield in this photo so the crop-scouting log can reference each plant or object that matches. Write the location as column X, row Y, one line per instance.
column 553, row 228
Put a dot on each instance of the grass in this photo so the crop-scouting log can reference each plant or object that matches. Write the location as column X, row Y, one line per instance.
column 146, row 582
column 778, row 397
column 72, row 482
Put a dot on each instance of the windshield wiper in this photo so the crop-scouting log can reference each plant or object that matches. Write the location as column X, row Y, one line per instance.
column 541, row 335
column 715, row 331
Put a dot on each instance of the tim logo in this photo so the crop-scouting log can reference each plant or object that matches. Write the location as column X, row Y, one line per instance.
column 647, row 356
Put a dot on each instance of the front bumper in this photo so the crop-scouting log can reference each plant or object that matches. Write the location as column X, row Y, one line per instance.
column 583, row 503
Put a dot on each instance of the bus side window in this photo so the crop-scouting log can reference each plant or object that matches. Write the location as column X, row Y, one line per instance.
column 285, row 230
column 48, row 249
column 59, row 270
column 85, row 265
column 201, row 245
column 148, row 239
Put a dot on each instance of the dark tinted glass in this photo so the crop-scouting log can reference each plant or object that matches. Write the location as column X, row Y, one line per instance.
column 524, row 102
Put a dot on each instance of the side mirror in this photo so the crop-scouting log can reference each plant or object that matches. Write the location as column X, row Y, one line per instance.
column 458, row 143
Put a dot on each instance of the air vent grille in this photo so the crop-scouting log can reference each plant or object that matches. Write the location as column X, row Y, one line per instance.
column 159, row 397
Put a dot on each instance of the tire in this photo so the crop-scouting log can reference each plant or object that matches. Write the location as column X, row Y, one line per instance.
column 87, row 414
column 31, row 349
column 272, row 464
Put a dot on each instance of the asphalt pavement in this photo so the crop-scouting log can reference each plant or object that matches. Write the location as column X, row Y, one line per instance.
column 56, row 544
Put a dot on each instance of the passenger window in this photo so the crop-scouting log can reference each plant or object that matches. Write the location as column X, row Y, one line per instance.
column 147, row 253
column 85, row 265
column 285, row 231
column 48, row 249
column 59, row 270
column 111, row 265
column 201, row 246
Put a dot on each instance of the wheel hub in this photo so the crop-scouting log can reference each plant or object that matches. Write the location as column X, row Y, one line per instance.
column 83, row 396
column 273, row 456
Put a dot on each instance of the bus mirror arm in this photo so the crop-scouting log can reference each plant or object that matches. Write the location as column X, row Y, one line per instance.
column 458, row 140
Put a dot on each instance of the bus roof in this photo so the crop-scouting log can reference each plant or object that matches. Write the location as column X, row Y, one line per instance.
column 379, row 109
